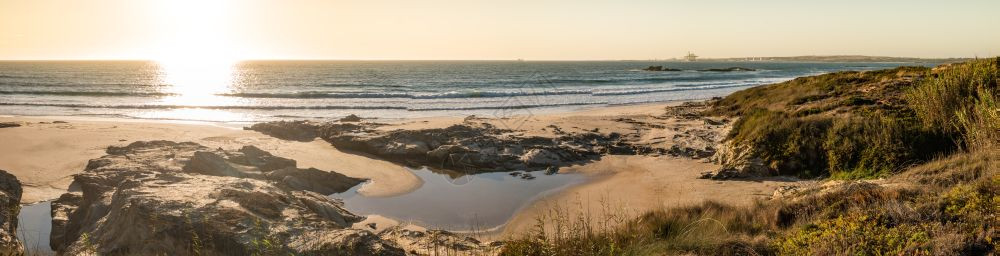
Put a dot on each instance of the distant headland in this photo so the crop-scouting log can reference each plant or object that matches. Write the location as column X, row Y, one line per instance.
column 840, row 58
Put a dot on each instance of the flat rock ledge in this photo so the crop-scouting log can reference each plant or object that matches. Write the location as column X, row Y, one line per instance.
column 170, row 198
column 468, row 147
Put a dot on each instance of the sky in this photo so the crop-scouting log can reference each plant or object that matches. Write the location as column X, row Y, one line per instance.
column 492, row 30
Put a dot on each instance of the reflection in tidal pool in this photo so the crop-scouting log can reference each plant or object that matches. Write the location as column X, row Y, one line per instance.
column 34, row 226
column 480, row 201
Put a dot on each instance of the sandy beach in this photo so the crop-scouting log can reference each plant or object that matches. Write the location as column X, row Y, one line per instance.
column 46, row 151
column 44, row 155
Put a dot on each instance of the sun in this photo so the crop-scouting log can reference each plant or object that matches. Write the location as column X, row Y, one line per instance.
column 193, row 33
column 196, row 58
column 193, row 47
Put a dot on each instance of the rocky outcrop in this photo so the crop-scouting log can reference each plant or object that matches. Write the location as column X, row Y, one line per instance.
column 287, row 130
column 162, row 197
column 351, row 118
column 9, row 124
column 659, row 68
column 433, row 242
column 10, row 206
column 738, row 162
column 467, row 147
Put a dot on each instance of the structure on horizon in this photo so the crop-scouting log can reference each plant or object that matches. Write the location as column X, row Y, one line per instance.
column 691, row 57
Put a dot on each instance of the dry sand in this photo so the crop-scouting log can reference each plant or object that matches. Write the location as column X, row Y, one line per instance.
column 624, row 187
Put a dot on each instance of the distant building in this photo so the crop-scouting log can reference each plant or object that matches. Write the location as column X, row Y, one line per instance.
column 691, row 57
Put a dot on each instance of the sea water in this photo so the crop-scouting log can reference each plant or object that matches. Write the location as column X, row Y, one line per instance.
column 252, row 91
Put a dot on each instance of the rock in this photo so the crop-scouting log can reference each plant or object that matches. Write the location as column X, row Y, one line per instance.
column 474, row 147
column 162, row 197
column 659, row 68
column 315, row 180
column 60, row 122
column 433, row 242
column 541, row 157
column 785, row 191
column 709, row 121
column 209, row 163
column 351, row 118
column 9, row 124
column 253, row 156
column 287, row 130
column 527, row 176
column 706, row 175
column 551, row 170
column 470, row 119
column 739, row 162
column 10, row 207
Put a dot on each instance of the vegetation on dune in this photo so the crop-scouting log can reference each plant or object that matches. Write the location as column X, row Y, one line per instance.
column 867, row 124
column 932, row 134
column 953, row 211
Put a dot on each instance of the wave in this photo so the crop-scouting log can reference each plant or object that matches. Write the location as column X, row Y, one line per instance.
column 323, row 107
column 647, row 91
column 158, row 106
column 544, row 91
column 523, row 106
column 78, row 85
column 13, row 76
column 317, row 95
column 89, row 93
column 442, row 95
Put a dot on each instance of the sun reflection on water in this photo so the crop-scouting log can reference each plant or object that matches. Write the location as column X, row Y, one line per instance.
column 195, row 88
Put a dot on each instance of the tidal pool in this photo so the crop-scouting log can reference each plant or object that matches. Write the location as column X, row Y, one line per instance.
column 34, row 226
column 446, row 201
column 467, row 202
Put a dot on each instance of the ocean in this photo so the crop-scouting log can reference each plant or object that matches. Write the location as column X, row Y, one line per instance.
column 253, row 91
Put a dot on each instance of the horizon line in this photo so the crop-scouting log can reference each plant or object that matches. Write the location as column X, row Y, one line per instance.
column 516, row 59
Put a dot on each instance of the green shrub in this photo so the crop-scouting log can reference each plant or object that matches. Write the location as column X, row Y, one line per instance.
column 966, row 90
column 876, row 145
column 789, row 145
column 980, row 123
column 858, row 234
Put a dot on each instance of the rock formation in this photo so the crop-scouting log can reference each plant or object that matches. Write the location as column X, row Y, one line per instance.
column 9, row 124
column 659, row 68
column 437, row 242
column 162, row 197
column 466, row 147
column 351, row 118
column 738, row 162
column 10, row 206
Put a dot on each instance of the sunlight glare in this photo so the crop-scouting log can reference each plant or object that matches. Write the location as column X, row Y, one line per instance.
column 194, row 53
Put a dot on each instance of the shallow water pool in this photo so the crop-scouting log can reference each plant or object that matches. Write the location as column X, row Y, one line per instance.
column 34, row 226
column 467, row 202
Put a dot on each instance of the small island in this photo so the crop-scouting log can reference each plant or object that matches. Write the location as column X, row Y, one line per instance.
column 659, row 68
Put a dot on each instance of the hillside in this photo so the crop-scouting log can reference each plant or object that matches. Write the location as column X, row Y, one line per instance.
column 907, row 160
